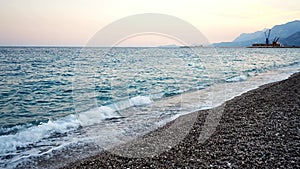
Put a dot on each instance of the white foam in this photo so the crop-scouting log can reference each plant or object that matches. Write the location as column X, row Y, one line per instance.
column 237, row 78
column 10, row 143
column 96, row 115
column 34, row 134
column 188, row 102
column 140, row 100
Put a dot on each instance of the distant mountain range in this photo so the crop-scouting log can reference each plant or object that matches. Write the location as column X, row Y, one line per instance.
column 289, row 35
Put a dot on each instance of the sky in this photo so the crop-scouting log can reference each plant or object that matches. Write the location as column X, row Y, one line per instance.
column 74, row 22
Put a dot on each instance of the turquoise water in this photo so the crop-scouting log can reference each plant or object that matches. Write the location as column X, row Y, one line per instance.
column 50, row 95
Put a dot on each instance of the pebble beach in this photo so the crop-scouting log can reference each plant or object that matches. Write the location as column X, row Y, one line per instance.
column 259, row 128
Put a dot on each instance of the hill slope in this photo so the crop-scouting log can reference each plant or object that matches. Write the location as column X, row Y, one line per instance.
column 284, row 31
column 293, row 40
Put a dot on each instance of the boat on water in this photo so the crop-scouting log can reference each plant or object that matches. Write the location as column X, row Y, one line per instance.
column 274, row 44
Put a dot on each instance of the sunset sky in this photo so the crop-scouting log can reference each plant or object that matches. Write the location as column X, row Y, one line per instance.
column 74, row 22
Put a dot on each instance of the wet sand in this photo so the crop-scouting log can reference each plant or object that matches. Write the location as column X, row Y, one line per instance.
column 260, row 128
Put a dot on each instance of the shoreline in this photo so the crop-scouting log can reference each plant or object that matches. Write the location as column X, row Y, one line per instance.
column 258, row 128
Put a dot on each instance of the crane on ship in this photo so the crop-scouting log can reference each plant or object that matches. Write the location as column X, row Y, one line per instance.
column 267, row 35
column 275, row 42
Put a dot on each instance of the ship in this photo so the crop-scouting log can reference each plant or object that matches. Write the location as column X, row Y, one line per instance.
column 274, row 44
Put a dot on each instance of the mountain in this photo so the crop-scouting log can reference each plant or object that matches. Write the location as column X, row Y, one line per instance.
column 249, row 36
column 283, row 31
column 293, row 40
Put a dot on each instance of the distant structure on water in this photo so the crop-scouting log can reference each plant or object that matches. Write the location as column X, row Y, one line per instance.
column 194, row 46
column 274, row 44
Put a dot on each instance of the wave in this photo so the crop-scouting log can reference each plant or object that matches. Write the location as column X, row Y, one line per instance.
column 29, row 136
column 21, row 136
column 237, row 78
column 140, row 100
column 34, row 134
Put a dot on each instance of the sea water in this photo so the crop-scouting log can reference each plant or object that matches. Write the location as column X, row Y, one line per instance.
column 63, row 102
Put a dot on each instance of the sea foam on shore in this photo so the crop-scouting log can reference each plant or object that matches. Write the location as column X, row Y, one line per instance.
column 259, row 128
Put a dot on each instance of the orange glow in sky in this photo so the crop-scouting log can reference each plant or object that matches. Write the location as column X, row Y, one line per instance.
column 74, row 22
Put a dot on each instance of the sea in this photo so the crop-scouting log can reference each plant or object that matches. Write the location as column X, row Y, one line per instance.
column 61, row 104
